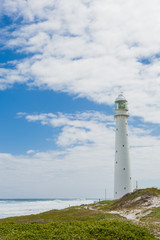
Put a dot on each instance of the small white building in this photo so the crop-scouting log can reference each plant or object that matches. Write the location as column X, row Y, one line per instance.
column 122, row 171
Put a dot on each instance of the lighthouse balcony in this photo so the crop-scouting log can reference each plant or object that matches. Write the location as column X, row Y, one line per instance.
column 121, row 113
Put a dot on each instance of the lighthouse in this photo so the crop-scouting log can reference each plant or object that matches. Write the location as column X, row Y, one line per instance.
column 122, row 170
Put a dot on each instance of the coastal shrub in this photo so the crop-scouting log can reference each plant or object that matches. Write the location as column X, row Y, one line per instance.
column 102, row 230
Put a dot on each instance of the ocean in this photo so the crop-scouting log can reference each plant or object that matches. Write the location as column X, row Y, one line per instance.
column 21, row 207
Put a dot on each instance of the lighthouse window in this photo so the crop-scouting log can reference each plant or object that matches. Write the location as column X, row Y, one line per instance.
column 130, row 178
column 116, row 151
column 116, row 105
column 116, row 129
column 116, row 192
column 124, row 187
column 123, row 145
column 124, row 169
column 122, row 105
column 116, row 162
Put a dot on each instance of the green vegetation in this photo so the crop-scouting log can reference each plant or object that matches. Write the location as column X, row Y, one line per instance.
column 87, row 222
column 71, row 214
column 127, row 201
column 103, row 230
column 142, row 194
column 154, row 216
column 72, row 223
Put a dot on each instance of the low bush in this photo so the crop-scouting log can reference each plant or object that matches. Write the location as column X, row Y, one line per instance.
column 102, row 230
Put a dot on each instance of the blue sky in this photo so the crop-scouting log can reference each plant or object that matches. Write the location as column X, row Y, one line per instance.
column 62, row 64
column 19, row 135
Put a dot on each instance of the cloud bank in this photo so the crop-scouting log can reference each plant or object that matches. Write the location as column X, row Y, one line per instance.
column 82, row 165
column 91, row 49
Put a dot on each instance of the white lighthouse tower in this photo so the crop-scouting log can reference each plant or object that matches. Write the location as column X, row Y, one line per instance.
column 122, row 173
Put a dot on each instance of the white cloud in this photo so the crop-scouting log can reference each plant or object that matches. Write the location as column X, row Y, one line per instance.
column 87, row 127
column 30, row 151
column 89, row 48
column 97, row 129
column 83, row 163
column 86, row 150
column 29, row 10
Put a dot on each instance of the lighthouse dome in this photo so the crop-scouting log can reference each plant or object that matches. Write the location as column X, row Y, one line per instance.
column 120, row 98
